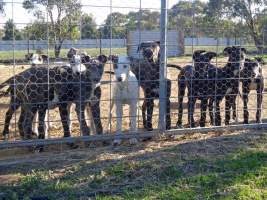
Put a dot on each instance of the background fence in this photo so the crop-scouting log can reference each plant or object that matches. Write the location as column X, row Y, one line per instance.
column 33, row 45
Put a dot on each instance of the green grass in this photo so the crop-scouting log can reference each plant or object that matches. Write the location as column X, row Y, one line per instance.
column 240, row 174
column 18, row 55
column 7, row 55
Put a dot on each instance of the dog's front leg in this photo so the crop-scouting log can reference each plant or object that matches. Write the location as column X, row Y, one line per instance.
column 259, row 102
column 119, row 114
column 70, row 109
column 204, row 104
column 149, row 107
column 80, row 109
column 11, row 110
column 89, row 118
column 168, row 106
column 35, row 124
column 96, row 117
column 63, row 110
column 227, row 108
column 30, row 112
column 132, row 114
column 217, row 113
column 181, row 93
column 43, row 127
column 144, row 113
column 211, row 101
column 14, row 105
column 133, row 111
column 191, row 108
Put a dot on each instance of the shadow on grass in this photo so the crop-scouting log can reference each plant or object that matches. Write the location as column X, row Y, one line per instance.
column 228, row 167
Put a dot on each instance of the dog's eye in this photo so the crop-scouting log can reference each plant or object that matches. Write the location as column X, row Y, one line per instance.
column 124, row 66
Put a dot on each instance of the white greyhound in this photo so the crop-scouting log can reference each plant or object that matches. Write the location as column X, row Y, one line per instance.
column 124, row 91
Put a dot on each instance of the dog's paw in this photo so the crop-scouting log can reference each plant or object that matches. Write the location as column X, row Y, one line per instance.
column 116, row 142
column 133, row 141
column 6, row 137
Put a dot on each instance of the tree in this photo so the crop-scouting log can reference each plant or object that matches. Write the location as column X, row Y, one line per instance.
column 144, row 19
column 187, row 14
column 88, row 29
column 1, row 34
column 115, row 24
column 38, row 30
column 64, row 17
column 2, row 6
column 10, row 31
column 246, row 10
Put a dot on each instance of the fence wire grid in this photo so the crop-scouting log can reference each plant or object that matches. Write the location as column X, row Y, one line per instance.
column 112, row 70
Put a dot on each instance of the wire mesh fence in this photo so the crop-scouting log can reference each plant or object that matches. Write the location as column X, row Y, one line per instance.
column 117, row 69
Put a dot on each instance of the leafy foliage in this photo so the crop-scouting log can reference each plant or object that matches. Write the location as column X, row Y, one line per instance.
column 11, row 31
column 64, row 17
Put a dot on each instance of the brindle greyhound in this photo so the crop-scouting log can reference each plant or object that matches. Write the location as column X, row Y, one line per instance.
column 147, row 73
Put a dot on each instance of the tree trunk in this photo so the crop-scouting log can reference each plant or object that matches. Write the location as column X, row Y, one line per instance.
column 58, row 48
column 255, row 35
column 258, row 41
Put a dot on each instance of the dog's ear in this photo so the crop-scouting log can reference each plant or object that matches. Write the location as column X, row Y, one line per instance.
column 86, row 58
column 211, row 54
column 72, row 51
column 44, row 57
column 260, row 60
column 158, row 42
column 102, row 58
column 227, row 50
column 248, row 60
column 244, row 50
column 197, row 53
column 28, row 56
column 113, row 58
column 139, row 47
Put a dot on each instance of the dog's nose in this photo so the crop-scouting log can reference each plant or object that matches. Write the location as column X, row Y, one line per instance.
column 119, row 79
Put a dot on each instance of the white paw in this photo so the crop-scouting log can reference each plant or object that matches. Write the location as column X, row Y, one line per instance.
column 52, row 126
column 133, row 141
column 116, row 142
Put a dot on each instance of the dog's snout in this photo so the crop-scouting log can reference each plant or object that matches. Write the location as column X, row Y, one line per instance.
column 119, row 79
column 148, row 53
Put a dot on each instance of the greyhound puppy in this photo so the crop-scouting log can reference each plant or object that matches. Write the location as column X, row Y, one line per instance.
column 78, row 89
column 36, row 59
column 224, row 82
column 192, row 73
column 252, row 79
column 124, row 91
column 146, row 71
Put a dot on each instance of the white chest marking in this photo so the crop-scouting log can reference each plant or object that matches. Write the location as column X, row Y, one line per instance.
column 229, row 90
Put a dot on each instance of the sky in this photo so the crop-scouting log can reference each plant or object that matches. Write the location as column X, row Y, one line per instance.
column 98, row 8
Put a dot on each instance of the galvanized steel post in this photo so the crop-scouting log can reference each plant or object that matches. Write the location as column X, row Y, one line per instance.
column 162, row 70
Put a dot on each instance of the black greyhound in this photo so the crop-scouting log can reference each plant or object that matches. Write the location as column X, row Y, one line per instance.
column 192, row 73
column 223, row 82
column 147, row 72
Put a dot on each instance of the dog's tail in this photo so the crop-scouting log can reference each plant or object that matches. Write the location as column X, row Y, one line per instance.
column 175, row 66
column 8, row 82
column 109, row 72
column 5, row 93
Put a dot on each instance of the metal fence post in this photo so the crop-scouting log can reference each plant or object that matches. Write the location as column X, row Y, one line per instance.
column 162, row 70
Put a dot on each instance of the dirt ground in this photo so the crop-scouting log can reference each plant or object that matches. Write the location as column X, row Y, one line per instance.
column 83, row 173
column 8, row 71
